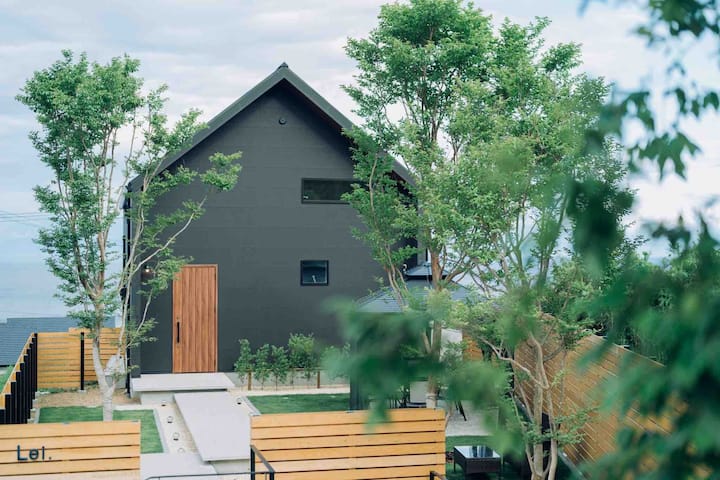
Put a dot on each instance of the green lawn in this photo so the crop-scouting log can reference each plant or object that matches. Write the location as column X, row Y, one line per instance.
column 300, row 403
column 149, row 437
column 4, row 374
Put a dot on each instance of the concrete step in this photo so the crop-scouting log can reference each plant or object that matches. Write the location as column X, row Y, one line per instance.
column 157, row 388
column 219, row 426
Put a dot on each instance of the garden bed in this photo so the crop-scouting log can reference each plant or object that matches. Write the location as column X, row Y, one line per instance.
column 149, row 436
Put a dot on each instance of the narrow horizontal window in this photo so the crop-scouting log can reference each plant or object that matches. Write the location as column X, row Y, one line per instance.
column 313, row 272
column 320, row 190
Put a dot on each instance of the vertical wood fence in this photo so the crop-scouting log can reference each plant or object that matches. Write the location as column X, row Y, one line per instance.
column 60, row 359
column 16, row 398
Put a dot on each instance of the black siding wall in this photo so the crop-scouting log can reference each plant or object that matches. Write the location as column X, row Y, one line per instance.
column 258, row 233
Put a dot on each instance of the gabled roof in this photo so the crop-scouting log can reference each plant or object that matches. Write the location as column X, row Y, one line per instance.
column 282, row 74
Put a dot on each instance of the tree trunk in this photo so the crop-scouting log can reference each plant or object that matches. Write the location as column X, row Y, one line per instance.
column 436, row 340
column 536, row 462
column 106, row 388
column 553, row 459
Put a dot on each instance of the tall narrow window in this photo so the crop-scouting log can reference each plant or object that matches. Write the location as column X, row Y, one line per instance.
column 318, row 190
column 313, row 272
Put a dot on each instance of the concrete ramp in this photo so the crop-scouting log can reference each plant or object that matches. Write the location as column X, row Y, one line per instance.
column 219, row 426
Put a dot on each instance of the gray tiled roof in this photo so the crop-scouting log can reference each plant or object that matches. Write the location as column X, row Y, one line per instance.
column 422, row 271
column 15, row 332
column 383, row 301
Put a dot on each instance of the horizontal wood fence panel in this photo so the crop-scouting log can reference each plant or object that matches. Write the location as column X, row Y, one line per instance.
column 353, row 429
column 59, row 356
column 339, row 418
column 345, row 441
column 353, row 463
column 45, row 430
column 70, row 448
column 341, row 446
column 406, row 473
column 343, row 452
column 581, row 388
column 71, row 442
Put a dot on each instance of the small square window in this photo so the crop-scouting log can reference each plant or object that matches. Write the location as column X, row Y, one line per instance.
column 313, row 272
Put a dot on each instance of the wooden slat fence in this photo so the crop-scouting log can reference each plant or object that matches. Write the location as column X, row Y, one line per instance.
column 18, row 393
column 341, row 446
column 582, row 389
column 59, row 356
column 67, row 448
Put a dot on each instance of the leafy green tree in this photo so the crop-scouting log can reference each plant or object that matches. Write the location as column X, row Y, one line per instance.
column 416, row 61
column 243, row 365
column 491, row 128
column 687, row 328
column 84, row 109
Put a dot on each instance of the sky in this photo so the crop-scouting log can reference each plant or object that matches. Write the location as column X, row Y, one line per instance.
column 210, row 52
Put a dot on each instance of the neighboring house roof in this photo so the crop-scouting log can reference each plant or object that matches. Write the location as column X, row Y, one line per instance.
column 383, row 300
column 14, row 333
column 282, row 74
column 422, row 272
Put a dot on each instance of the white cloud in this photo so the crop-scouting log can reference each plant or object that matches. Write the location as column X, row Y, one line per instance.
column 210, row 52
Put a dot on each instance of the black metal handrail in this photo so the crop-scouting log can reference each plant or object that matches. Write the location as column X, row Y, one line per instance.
column 19, row 392
column 270, row 470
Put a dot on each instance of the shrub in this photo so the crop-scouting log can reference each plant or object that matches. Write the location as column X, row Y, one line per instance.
column 333, row 360
column 244, row 363
column 303, row 354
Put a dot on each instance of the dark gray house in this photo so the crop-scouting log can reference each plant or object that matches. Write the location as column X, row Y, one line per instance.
column 269, row 253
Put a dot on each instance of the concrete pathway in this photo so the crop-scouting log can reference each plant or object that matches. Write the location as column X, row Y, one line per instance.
column 220, row 427
column 159, row 464
column 477, row 423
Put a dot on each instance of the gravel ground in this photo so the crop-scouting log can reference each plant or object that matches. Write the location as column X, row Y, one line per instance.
column 89, row 398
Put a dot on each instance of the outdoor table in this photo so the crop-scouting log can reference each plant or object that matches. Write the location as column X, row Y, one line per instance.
column 475, row 459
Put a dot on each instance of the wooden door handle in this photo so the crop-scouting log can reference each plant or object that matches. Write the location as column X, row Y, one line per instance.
column 178, row 332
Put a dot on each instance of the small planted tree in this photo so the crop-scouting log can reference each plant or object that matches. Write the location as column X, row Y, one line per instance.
column 280, row 366
column 98, row 130
column 262, row 367
column 243, row 365
column 303, row 354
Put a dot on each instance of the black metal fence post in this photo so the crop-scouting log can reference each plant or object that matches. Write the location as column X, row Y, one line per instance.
column 82, row 361
column 18, row 403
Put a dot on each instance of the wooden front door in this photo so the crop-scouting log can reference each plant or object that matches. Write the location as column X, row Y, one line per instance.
column 195, row 319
